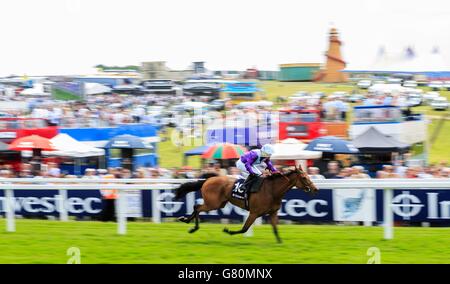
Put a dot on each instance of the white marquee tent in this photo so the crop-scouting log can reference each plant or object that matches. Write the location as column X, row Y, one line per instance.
column 69, row 147
column 37, row 90
column 95, row 89
column 293, row 149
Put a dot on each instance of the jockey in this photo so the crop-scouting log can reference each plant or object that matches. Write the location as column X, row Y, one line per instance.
column 251, row 162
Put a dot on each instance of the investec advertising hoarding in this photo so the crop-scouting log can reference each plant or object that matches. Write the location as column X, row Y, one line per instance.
column 354, row 205
column 295, row 206
column 327, row 205
column 78, row 203
column 418, row 205
column 48, row 202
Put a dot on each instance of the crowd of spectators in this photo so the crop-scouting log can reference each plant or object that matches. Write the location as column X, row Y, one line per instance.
column 113, row 109
column 335, row 107
column 95, row 111
column 334, row 171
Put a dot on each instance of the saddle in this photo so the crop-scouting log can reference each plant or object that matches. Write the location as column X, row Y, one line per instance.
column 252, row 187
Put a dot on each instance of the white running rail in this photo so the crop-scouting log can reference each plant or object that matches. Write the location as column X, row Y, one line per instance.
column 61, row 184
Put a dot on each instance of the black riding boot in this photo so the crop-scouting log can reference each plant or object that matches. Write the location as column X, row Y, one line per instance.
column 248, row 182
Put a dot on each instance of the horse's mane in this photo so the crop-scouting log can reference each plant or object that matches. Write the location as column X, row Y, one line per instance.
column 279, row 175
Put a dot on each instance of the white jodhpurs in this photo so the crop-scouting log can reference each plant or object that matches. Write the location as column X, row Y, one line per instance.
column 244, row 173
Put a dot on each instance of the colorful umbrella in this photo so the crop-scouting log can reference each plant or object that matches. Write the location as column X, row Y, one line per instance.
column 224, row 151
column 32, row 142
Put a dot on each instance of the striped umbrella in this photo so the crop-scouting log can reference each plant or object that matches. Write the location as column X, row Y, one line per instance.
column 224, row 151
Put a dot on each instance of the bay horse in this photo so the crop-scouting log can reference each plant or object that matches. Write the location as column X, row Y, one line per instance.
column 216, row 192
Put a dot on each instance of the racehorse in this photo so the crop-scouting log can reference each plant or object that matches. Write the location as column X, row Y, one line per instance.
column 216, row 192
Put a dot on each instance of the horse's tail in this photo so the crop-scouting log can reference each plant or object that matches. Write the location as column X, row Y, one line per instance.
column 187, row 187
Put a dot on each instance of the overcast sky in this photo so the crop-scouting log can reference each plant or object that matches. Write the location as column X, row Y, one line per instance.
column 70, row 36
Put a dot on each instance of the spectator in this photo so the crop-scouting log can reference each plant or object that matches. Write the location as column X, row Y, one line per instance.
column 209, row 169
column 443, row 165
column 314, row 173
column 42, row 174
column 331, row 109
column 434, row 171
column 90, row 174
column 423, row 172
column 188, row 172
column 400, row 168
column 219, row 170
column 344, row 173
column 154, row 173
column 109, row 197
column 25, row 171
column 125, row 173
column 5, row 174
column 342, row 109
column 370, row 100
column 102, row 172
column 333, row 170
column 411, row 173
column 387, row 101
column 140, row 173
column 53, row 170
column 358, row 172
column 445, row 173
column 234, row 172
column 387, row 172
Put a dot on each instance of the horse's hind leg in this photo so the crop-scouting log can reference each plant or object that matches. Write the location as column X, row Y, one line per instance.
column 196, row 227
column 187, row 220
column 201, row 208
column 197, row 210
column 250, row 219
column 274, row 221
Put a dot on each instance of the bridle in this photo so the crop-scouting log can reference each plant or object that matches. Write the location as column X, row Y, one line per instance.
column 299, row 177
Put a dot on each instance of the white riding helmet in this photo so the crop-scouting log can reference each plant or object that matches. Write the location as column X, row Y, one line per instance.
column 267, row 150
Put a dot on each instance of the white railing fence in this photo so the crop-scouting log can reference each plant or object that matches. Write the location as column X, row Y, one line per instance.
column 63, row 185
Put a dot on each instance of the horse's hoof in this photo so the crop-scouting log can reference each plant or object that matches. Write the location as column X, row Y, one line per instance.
column 182, row 219
column 193, row 230
column 225, row 230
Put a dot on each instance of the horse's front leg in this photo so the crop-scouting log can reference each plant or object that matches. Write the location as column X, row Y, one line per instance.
column 274, row 221
column 250, row 220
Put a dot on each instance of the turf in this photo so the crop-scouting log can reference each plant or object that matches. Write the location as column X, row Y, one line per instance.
column 440, row 149
column 39, row 241
column 64, row 95
column 171, row 155
column 274, row 89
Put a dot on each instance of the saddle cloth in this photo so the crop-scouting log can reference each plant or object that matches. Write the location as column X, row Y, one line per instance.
column 239, row 193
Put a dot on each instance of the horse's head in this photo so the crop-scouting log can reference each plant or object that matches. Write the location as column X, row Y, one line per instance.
column 304, row 182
